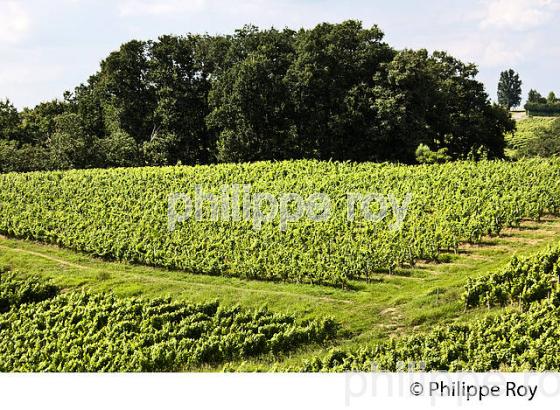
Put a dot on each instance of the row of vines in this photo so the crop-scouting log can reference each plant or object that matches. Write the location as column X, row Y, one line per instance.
column 123, row 214
column 527, row 130
column 522, row 282
column 512, row 341
column 523, row 337
column 41, row 330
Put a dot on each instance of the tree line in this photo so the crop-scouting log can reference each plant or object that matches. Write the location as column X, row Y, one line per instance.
column 544, row 106
column 333, row 92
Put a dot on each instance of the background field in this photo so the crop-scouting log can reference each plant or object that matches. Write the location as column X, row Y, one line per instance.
column 526, row 129
column 401, row 291
column 393, row 305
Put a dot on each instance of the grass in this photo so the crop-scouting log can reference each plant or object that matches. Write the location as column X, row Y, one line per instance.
column 412, row 301
column 527, row 128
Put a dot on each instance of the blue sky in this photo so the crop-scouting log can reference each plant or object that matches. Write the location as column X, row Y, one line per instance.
column 47, row 47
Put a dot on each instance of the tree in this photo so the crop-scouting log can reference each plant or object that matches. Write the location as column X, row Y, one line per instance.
column 333, row 65
column 336, row 91
column 509, row 89
column 156, row 93
column 535, row 97
column 38, row 124
column 123, row 87
column 16, row 157
column 19, row 150
column 70, row 145
column 251, row 103
column 10, row 121
column 424, row 155
column 117, row 150
column 176, row 71
column 161, row 149
column 436, row 100
column 551, row 99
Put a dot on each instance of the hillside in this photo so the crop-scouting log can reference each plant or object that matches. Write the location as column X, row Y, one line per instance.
column 526, row 131
column 105, row 226
column 393, row 305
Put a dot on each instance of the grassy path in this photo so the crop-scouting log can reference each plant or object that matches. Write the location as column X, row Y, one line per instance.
column 104, row 274
column 415, row 300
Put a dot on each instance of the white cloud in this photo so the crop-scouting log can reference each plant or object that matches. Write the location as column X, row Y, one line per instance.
column 505, row 34
column 518, row 14
column 247, row 10
column 14, row 22
column 159, row 7
column 498, row 53
column 28, row 76
column 494, row 50
column 484, row 51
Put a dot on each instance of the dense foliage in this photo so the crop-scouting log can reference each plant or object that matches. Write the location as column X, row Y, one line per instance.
column 535, row 137
column 509, row 89
column 15, row 291
column 82, row 332
column 522, row 281
column 546, row 142
column 512, row 341
column 336, row 91
column 547, row 109
column 527, row 130
column 123, row 214
column 540, row 106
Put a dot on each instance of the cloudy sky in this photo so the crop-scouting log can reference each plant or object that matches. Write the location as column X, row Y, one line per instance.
column 47, row 47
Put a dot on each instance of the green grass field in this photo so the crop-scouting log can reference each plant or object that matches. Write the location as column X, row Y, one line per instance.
column 410, row 301
column 526, row 131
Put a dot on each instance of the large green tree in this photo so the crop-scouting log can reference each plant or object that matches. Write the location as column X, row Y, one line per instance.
column 38, row 124
column 435, row 100
column 509, row 89
column 126, row 91
column 336, row 91
column 333, row 69
column 252, row 110
column 10, row 121
column 177, row 73
column 535, row 97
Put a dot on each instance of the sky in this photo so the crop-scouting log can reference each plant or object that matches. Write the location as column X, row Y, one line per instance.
column 49, row 46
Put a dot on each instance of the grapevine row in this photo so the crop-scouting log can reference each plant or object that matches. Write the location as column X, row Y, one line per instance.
column 123, row 214
column 83, row 332
column 523, row 281
column 513, row 341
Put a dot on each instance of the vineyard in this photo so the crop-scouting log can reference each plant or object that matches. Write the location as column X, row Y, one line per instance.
column 122, row 214
column 523, row 281
column 279, row 199
column 512, row 340
column 83, row 332
column 443, row 292
column 526, row 131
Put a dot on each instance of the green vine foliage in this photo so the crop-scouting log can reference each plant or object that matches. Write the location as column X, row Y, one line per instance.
column 122, row 214
column 83, row 332
column 511, row 341
column 15, row 291
column 523, row 281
